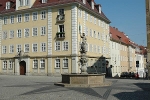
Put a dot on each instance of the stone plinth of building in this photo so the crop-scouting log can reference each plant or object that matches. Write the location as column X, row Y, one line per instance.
column 83, row 80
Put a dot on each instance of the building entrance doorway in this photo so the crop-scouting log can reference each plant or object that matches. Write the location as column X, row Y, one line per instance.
column 22, row 67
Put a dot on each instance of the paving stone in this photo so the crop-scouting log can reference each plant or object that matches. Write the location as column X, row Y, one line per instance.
column 43, row 88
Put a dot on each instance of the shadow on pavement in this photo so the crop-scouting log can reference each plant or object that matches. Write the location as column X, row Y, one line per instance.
column 142, row 94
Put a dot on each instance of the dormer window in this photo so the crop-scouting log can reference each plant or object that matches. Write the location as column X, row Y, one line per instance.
column 44, row 1
column 7, row 5
column 21, row 2
column 26, row 2
column 61, row 11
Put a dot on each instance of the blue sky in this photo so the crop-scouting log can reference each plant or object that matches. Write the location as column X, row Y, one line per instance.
column 128, row 16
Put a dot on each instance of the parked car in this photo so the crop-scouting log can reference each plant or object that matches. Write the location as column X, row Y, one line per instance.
column 131, row 74
column 124, row 74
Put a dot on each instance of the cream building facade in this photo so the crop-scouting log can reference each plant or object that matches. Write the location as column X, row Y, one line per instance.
column 43, row 37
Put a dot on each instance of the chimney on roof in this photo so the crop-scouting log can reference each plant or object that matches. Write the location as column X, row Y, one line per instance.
column 92, row 3
column 98, row 7
column 116, row 28
column 84, row 1
column 127, row 36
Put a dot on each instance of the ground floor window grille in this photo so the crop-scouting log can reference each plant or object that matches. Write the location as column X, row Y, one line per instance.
column 5, row 64
column 57, row 63
column 65, row 63
column 35, row 63
column 42, row 62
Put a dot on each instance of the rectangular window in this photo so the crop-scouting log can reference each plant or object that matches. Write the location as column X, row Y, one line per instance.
column 26, row 32
column 91, row 18
column 44, row 1
column 34, row 33
column 86, row 31
column 57, row 45
column 19, row 33
column 4, row 64
column 10, row 64
column 19, row 18
column 35, row 63
column 65, row 63
column 42, row 63
column 43, row 30
column 5, row 20
column 21, row 2
column 90, row 32
column 95, row 20
column 43, row 47
column 26, row 2
column 11, row 34
column 98, row 35
column 4, row 35
column 34, row 47
column 11, row 49
column 57, row 63
column 61, row 28
column 12, row 19
column 65, row 46
column 26, row 48
column 34, row 16
column 26, row 17
column 4, row 49
column 94, row 34
column 61, row 11
column 7, row 5
column 43, row 14
column 18, row 48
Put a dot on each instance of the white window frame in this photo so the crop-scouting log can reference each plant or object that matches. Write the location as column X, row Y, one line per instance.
column 44, row 1
column 19, row 33
column 11, row 64
column 11, row 34
column 19, row 18
column 8, row 5
column 11, row 48
column 27, row 2
column 65, row 45
column 4, row 64
column 57, row 46
column 35, row 16
column 4, row 34
column 5, row 20
column 12, row 19
column 61, row 29
column 26, row 32
column 18, row 48
column 65, row 63
column 35, row 31
column 57, row 63
column 26, row 17
column 42, row 63
column 4, row 49
column 21, row 2
column 43, row 47
column 35, row 63
column 43, row 14
column 26, row 47
column 43, row 30
column 34, row 48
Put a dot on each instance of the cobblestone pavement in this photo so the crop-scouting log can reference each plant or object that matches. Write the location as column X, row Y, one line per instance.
column 43, row 88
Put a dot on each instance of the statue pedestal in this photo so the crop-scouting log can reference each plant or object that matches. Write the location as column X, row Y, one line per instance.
column 83, row 80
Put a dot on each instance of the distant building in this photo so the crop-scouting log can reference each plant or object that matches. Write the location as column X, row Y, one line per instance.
column 122, row 53
column 42, row 37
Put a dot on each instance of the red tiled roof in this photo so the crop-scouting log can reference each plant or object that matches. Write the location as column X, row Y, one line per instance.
column 38, row 4
column 116, row 34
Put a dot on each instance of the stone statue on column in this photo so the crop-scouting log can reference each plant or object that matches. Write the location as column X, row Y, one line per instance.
column 83, row 50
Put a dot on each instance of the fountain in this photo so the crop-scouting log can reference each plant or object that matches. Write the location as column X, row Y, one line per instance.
column 83, row 79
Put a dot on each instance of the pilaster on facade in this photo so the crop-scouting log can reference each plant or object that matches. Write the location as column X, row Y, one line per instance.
column 49, row 41
column 74, row 39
